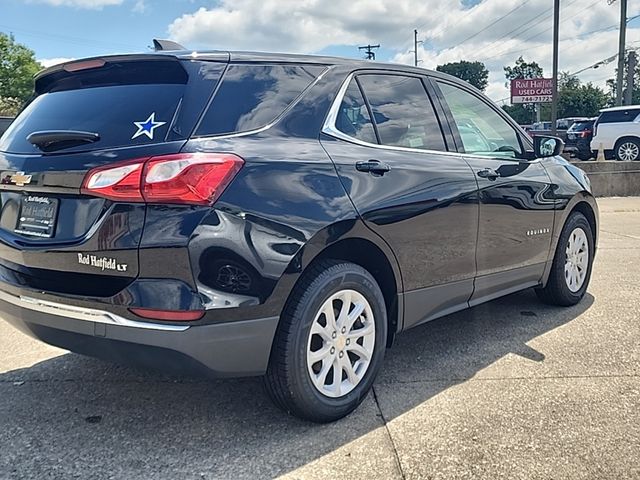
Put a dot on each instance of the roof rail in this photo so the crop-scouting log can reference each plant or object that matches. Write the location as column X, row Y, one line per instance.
column 160, row 45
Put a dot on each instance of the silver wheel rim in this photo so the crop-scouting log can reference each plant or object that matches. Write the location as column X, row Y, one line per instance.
column 341, row 343
column 628, row 151
column 577, row 261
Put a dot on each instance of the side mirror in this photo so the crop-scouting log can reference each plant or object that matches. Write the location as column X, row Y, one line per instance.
column 546, row 146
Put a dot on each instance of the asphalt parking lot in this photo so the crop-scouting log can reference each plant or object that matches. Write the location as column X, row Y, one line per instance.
column 511, row 389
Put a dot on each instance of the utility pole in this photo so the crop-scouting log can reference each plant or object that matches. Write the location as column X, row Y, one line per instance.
column 416, row 42
column 371, row 55
column 621, row 48
column 554, row 99
column 632, row 61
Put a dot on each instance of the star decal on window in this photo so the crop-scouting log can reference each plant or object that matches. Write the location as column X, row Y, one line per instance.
column 147, row 127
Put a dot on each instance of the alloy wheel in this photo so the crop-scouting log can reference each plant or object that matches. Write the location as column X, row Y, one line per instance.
column 577, row 259
column 341, row 343
column 628, row 151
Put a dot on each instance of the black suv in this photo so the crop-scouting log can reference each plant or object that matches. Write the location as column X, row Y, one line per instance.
column 276, row 215
column 579, row 137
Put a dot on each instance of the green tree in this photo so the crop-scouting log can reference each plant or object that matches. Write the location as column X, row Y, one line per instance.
column 522, row 69
column 17, row 68
column 473, row 72
column 579, row 100
column 522, row 113
column 635, row 95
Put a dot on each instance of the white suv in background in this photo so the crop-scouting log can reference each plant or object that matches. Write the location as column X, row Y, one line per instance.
column 618, row 130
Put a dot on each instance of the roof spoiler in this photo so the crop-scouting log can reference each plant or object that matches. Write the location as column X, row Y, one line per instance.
column 163, row 45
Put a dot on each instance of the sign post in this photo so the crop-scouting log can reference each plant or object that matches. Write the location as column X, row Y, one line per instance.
column 531, row 90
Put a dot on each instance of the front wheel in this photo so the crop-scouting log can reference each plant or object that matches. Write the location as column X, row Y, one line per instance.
column 330, row 343
column 572, row 263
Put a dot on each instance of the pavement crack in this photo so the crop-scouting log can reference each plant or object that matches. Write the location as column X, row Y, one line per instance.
column 386, row 427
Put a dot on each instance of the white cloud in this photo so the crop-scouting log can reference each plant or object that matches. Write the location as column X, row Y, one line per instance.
column 445, row 26
column 49, row 62
column 140, row 6
column 89, row 4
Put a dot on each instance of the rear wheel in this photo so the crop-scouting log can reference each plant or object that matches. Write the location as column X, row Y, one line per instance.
column 571, row 269
column 330, row 343
column 628, row 150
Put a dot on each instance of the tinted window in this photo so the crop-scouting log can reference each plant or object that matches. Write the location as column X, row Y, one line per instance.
column 402, row 111
column 108, row 101
column 251, row 96
column 618, row 116
column 483, row 130
column 581, row 126
column 353, row 118
column 107, row 111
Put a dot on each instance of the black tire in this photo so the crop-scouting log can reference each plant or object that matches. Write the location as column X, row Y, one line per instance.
column 287, row 380
column 633, row 141
column 557, row 292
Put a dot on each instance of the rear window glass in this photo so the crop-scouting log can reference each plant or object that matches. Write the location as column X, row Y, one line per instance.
column 252, row 96
column 121, row 115
column 581, row 126
column 618, row 116
column 127, row 103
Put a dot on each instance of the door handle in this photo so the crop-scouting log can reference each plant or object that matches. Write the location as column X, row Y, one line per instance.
column 373, row 166
column 488, row 173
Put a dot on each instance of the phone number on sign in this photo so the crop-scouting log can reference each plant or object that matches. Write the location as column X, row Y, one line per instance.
column 532, row 99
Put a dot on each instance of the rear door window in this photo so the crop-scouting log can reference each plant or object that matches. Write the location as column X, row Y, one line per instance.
column 402, row 111
column 619, row 116
column 252, row 96
column 353, row 117
column 126, row 104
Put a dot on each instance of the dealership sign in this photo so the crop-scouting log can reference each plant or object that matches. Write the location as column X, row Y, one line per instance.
column 531, row 90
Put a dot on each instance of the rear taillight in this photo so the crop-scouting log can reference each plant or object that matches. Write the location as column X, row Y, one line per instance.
column 191, row 178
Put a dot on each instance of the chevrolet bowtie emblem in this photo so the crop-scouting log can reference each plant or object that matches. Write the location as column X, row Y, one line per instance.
column 20, row 179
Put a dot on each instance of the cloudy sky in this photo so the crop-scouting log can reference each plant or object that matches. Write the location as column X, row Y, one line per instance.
column 495, row 32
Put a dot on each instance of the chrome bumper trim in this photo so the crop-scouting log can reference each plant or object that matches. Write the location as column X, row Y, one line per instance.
column 82, row 313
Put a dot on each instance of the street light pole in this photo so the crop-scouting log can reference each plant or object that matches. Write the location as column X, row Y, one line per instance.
column 554, row 99
column 621, row 48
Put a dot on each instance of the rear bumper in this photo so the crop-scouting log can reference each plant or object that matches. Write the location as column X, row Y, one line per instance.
column 239, row 348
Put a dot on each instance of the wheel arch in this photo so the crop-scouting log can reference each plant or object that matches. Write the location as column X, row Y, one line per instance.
column 583, row 202
column 623, row 138
column 361, row 246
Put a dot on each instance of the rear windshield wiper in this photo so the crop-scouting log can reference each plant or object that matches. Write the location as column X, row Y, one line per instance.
column 50, row 140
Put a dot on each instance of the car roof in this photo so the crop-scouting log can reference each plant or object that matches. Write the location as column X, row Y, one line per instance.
column 623, row 107
column 251, row 57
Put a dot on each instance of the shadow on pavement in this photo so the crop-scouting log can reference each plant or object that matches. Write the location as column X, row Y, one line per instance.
column 79, row 417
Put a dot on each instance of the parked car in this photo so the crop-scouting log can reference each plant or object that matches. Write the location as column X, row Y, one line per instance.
column 568, row 122
column 4, row 123
column 541, row 127
column 579, row 137
column 617, row 129
column 276, row 215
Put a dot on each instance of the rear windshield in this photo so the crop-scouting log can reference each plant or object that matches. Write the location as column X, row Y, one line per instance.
column 252, row 96
column 126, row 104
column 581, row 126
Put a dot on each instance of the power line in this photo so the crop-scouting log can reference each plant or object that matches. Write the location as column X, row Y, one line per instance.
column 503, row 53
column 67, row 38
column 492, row 23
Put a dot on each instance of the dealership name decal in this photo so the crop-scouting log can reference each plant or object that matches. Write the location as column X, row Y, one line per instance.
column 103, row 263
